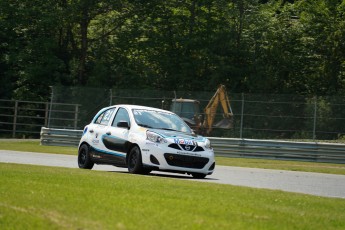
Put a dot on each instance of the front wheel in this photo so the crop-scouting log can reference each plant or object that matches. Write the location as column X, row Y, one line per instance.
column 134, row 161
column 84, row 161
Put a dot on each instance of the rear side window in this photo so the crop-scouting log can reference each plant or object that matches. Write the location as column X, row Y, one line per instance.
column 104, row 118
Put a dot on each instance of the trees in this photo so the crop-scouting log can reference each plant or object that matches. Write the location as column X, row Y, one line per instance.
column 29, row 47
column 294, row 47
column 323, row 36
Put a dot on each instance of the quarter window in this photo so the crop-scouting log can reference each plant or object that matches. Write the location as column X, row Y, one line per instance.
column 104, row 117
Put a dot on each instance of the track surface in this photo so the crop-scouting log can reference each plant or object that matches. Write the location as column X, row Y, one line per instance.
column 319, row 184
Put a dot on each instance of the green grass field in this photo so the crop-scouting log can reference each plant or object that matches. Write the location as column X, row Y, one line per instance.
column 36, row 197
column 34, row 146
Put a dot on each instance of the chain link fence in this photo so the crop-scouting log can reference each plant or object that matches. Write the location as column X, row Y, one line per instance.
column 24, row 119
column 256, row 116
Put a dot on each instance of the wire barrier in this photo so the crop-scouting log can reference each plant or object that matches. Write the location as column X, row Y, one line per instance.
column 256, row 116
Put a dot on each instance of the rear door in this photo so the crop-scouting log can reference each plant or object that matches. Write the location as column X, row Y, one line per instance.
column 96, row 131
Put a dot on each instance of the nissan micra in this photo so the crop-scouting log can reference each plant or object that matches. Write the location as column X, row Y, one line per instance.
column 144, row 139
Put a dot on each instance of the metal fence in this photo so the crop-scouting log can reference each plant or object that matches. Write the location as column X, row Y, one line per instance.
column 256, row 116
column 234, row 147
column 25, row 118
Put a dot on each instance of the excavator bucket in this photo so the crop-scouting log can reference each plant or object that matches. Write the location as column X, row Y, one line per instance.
column 225, row 123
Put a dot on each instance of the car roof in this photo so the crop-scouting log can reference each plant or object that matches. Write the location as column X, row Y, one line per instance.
column 128, row 106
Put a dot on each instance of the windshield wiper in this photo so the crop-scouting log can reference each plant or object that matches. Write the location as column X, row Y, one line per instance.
column 143, row 125
column 169, row 129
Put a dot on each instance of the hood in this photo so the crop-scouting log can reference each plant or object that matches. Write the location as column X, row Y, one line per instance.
column 170, row 134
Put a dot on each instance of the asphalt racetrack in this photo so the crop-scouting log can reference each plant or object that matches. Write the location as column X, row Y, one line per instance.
column 319, row 184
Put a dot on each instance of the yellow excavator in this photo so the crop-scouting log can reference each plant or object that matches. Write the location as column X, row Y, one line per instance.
column 189, row 111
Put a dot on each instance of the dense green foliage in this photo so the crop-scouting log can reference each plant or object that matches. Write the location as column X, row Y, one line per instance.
column 251, row 46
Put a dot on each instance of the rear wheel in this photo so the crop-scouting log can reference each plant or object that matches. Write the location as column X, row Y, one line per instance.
column 199, row 175
column 84, row 160
column 134, row 161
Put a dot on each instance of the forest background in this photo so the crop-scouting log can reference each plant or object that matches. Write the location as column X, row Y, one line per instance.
column 251, row 46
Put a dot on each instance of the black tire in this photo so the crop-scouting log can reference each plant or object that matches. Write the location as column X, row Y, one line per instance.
column 84, row 161
column 134, row 162
column 199, row 175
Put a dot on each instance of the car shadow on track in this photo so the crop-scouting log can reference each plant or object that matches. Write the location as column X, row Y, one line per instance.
column 168, row 175
column 188, row 177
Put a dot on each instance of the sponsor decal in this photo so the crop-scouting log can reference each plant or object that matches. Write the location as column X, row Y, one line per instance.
column 189, row 153
column 184, row 142
column 150, row 143
column 145, row 150
column 94, row 141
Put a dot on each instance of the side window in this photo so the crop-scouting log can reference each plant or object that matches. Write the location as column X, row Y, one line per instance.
column 121, row 115
column 104, row 117
column 99, row 118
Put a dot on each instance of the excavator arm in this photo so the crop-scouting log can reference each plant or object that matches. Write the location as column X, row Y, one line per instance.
column 221, row 97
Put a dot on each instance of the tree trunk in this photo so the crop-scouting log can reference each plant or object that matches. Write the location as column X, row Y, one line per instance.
column 84, row 46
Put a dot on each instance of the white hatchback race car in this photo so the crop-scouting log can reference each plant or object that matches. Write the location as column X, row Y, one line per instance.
column 144, row 139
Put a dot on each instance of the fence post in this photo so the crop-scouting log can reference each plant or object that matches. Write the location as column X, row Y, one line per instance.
column 314, row 126
column 242, row 110
column 76, row 116
column 15, row 119
column 46, row 114
column 51, row 106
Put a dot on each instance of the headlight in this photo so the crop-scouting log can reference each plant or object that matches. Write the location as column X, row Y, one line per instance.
column 154, row 137
column 208, row 144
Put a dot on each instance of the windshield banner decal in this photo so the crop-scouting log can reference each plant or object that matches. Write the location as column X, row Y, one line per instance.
column 184, row 142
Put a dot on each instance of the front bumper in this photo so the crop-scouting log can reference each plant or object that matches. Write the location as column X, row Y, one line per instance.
column 165, row 158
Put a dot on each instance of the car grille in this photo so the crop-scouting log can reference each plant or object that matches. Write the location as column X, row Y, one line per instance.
column 186, row 147
column 185, row 161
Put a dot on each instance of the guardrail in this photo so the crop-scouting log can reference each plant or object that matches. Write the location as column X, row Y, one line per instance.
column 279, row 150
column 60, row 137
column 234, row 147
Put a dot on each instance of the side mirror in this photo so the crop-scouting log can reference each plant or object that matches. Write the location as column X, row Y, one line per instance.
column 123, row 124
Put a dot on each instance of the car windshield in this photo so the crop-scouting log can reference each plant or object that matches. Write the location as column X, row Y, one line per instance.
column 160, row 120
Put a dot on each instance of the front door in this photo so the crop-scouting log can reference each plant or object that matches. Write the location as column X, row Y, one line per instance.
column 115, row 138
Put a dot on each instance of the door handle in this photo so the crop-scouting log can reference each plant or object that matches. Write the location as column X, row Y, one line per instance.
column 108, row 133
column 91, row 130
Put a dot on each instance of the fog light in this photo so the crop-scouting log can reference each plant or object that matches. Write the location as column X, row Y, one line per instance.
column 212, row 166
column 154, row 160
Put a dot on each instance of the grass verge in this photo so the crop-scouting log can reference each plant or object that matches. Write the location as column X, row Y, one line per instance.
column 35, row 197
column 283, row 165
column 34, row 146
